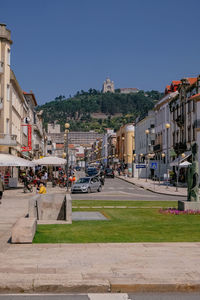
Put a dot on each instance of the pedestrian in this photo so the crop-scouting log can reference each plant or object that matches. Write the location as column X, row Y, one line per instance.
column 1, row 188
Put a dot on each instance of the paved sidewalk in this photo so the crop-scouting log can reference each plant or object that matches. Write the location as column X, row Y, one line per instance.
column 91, row 267
column 155, row 187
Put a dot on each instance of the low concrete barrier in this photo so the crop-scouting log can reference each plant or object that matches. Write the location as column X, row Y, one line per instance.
column 24, row 230
column 56, row 206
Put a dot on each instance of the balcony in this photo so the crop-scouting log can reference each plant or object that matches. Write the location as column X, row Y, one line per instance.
column 180, row 147
column 1, row 103
column 157, row 148
column 1, row 67
column 197, row 123
column 8, row 140
column 180, row 121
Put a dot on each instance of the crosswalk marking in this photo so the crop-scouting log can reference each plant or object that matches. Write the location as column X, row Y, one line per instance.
column 108, row 296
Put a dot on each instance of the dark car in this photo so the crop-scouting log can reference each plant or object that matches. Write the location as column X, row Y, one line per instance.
column 78, row 168
column 109, row 173
column 91, row 171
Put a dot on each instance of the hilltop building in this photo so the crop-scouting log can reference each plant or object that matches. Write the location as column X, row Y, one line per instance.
column 108, row 86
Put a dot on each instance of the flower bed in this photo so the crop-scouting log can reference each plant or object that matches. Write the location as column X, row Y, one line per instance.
column 175, row 211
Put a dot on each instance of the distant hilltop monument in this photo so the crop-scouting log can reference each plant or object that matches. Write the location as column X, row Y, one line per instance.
column 108, row 86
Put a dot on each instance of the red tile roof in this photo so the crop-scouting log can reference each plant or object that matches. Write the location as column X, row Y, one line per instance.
column 194, row 96
column 192, row 80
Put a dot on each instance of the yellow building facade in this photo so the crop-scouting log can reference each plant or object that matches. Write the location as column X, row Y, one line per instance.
column 125, row 146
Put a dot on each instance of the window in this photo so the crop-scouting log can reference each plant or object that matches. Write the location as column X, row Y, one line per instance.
column 189, row 106
column 193, row 133
column 194, row 105
column 189, row 134
column 7, row 126
column 8, row 57
column 8, row 92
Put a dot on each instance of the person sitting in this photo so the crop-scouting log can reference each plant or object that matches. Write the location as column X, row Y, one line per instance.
column 42, row 189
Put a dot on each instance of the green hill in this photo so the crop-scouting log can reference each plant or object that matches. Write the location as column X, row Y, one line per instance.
column 94, row 110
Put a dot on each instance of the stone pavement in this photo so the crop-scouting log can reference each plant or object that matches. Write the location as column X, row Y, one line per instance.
column 155, row 187
column 111, row 267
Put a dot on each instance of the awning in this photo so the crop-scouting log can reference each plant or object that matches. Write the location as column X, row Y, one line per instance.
column 180, row 159
column 50, row 160
column 184, row 164
column 8, row 160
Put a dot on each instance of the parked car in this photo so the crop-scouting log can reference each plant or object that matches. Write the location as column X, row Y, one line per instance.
column 87, row 185
column 78, row 168
column 91, row 171
column 109, row 173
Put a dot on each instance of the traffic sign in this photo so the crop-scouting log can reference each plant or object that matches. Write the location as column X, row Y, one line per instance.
column 154, row 165
column 140, row 166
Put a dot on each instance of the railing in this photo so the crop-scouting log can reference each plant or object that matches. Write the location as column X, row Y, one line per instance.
column 8, row 140
column 157, row 147
column 1, row 67
column 180, row 120
column 197, row 123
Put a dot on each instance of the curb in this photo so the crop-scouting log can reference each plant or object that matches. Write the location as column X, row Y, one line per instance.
column 149, row 189
column 106, row 287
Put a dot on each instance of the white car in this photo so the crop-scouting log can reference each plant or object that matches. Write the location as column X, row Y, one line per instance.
column 86, row 185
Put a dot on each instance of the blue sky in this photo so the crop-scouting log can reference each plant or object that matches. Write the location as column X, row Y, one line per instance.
column 60, row 47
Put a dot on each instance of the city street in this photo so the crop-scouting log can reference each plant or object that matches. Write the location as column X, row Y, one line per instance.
column 119, row 296
column 116, row 189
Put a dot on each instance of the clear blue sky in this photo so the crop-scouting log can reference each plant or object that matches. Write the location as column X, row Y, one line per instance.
column 62, row 46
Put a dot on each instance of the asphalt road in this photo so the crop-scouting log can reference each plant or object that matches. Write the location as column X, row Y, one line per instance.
column 136, row 296
column 117, row 189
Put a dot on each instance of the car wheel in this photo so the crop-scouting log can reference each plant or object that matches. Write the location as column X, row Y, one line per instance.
column 99, row 189
column 89, row 190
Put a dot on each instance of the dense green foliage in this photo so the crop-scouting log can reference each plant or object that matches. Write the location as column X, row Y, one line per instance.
column 125, row 225
column 117, row 109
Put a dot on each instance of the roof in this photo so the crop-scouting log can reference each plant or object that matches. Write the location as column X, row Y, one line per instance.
column 195, row 96
column 192, row 80
column 32, row 95
column 176, row 82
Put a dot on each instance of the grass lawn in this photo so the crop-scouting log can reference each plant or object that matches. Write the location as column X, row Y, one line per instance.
column 124, row 225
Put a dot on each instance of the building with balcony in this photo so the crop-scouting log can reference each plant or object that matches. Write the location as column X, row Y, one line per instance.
column 185, row 116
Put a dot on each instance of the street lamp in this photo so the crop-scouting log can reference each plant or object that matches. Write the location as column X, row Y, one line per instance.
column 162, row 155
column 67, row 125
column 177, row 172
column 167, row 126
column 133, row 160
column 147, row 135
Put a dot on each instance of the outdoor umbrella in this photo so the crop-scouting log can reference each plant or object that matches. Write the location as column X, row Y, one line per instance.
column 8, row 160
column 50, row 161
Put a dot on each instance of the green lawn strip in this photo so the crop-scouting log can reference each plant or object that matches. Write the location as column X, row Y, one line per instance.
column 91, row 203
column 124, row 225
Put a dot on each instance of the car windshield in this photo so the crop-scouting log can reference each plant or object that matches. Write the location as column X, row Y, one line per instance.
column 108, row 170
column 83, row 180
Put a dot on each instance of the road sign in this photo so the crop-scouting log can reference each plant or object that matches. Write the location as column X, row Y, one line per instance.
column 154, row 165
column 140, row 166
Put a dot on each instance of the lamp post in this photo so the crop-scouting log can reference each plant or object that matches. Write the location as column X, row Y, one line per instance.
column 67, row 154
column 167, row 126
column 162, row 155
column 133, row 160
column 147, row 135
column 177, row 172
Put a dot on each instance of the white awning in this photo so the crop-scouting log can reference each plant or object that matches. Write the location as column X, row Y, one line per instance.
column 185, row 164
column 50, row 160
column 180, row 159
column 8, row 160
